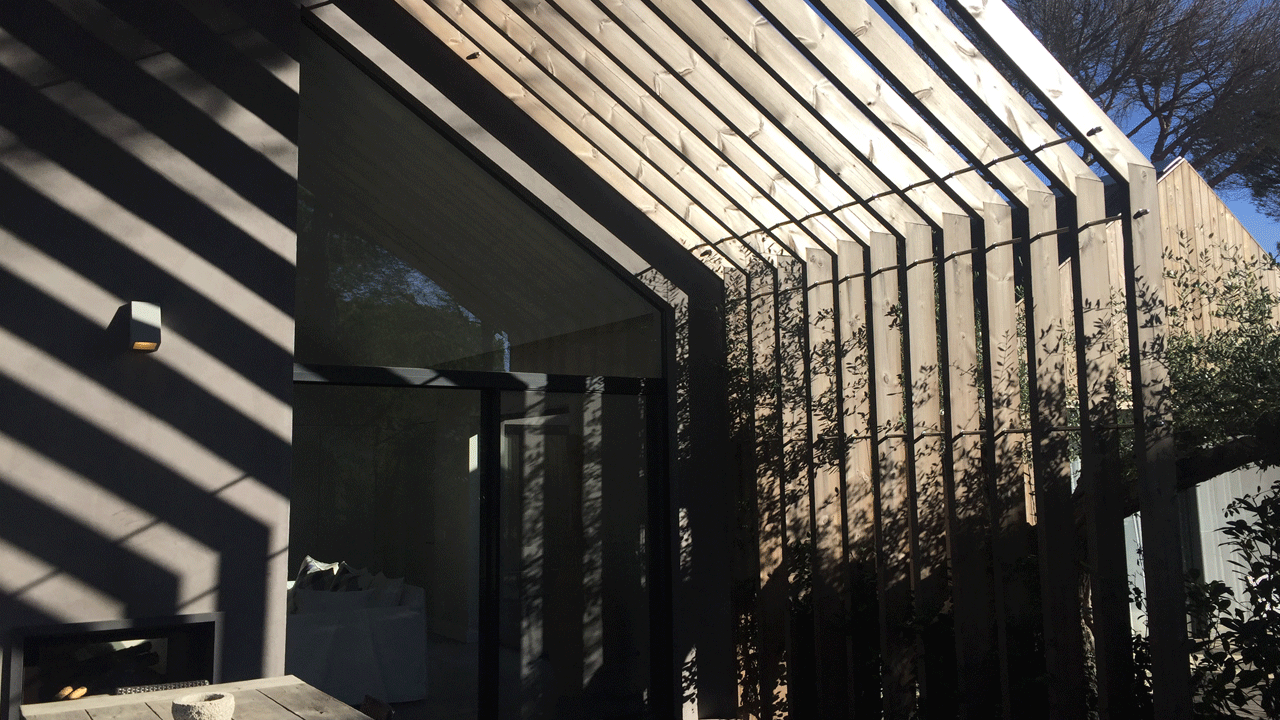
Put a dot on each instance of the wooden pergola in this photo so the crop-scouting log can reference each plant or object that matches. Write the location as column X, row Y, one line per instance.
column 888, row 215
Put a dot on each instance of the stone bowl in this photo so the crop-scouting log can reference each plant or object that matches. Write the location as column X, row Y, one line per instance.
column 204, row 706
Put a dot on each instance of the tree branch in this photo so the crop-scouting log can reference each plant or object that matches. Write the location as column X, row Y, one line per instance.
column 1208, row 463
column 1205, row 464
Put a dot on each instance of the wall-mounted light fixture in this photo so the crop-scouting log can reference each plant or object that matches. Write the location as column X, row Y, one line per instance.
column 144, row 326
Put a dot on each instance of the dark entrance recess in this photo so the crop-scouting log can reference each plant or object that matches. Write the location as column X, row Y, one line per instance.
column 112, row 657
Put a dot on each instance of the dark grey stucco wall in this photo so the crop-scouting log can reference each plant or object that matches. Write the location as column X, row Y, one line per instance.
column 147, row 152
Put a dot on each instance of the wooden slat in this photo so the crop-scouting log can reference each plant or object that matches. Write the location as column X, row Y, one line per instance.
column 1157, row 469
column 1174, row 243
column 1184, row 220
column 932, row 586
column 895, row 570
column 830, row 593
column 1055, row 516
column 797, row 456
column 1225, row 239
column 1052, row 83
column 742, row 420
column 860, row 494
column 1205, row 247
column 1100, row 455
column 920, row 84
column 927, row 23
column 1002, row 364
column 1017, row 617
column 981, row 660
column 771, row 619
column 771, row 50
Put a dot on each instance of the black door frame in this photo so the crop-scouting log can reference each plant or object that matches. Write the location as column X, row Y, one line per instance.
column 491, row 385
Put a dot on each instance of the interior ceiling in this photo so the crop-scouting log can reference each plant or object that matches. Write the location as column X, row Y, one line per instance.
column 728, row 119
column 390, row 178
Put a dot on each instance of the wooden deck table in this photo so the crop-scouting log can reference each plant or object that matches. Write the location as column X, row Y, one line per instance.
column 278, row 698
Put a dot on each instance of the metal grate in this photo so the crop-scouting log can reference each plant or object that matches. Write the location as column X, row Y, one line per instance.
column 134, row 689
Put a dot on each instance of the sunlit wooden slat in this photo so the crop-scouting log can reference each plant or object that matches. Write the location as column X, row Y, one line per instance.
column 859, row 501
column 1004, row 104
column 841, row 66
column 982, row 659
column 1055, row 516
column 1157, row 469
column 895, row 567
column 1053, row 83
column 751, row 71
column 830, row 594
column 931, row 580
column 1099, row 310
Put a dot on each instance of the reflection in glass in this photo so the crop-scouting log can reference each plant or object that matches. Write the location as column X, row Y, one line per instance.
column 410, row 254
column 387, row 479
column 574, row 602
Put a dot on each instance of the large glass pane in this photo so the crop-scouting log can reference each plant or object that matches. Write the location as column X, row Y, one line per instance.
column 574, row 597
column 410, row 254
column 387, row 480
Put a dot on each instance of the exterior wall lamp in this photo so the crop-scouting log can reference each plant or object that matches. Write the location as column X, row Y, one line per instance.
column 144, row 326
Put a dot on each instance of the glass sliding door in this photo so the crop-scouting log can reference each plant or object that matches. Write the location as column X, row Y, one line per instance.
column 387, row 480
column 424, row 484
column 574, row 591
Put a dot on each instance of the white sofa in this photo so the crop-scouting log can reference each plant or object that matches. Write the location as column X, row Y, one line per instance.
column 359, row 642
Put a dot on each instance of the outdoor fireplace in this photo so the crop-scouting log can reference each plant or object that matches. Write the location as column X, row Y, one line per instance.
column 68, row 661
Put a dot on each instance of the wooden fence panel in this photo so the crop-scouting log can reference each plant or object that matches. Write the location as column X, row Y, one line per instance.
column 1192, row 214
